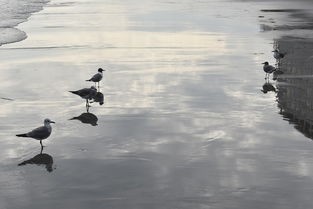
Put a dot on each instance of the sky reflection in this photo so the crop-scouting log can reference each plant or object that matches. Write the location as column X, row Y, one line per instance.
column 184, row 123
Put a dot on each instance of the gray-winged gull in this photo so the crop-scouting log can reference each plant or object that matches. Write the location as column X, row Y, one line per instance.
column 41, row 132
column 278, row 55
column 97, row 77
column 268, row 69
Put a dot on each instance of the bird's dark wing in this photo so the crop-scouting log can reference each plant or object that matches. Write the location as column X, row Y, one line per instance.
column 83, row 92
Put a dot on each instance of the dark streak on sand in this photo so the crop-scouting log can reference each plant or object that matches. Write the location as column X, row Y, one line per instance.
column 281, row 10
column 4, row 98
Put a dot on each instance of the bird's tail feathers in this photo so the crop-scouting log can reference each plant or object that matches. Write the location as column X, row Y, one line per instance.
column 73, row 92
column 23, row 163
column 26, row 162
column 21, row 135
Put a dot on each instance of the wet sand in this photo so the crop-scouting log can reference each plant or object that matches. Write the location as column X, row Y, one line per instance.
column 184, row 122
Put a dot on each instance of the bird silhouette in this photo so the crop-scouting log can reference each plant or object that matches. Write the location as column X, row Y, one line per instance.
column 40, row 159
column 278, row 55
column 97, row 77
column 41, row 132
column 267, row 87
column 87, row 118
column 268, row 69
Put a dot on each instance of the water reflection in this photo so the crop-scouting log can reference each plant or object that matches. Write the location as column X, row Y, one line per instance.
column 268, row 87
column 99, row 97
column 278, row 55
column 40, row 159
column 295, row 87
column 87, row 118
column 303, row 17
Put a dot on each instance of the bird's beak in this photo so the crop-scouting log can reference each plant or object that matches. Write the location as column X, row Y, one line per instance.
column 263, row 63
column 52, row 121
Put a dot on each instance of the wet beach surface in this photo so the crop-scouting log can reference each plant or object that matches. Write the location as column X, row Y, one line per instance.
column 184, row 122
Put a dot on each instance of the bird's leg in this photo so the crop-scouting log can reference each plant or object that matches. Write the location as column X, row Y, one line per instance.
column 87, row 104
column 267, row 77
column 41, row 148
column 41, row 144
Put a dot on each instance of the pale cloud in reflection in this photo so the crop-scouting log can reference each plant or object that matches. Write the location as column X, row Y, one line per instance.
column 304, row 169
column 247, row 165
column 178, row 118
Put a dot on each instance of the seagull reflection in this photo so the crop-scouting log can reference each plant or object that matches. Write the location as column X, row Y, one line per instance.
column 267, row 87
column 40, row 159
column 87, row 118
column 99, row 97
column 276, row 73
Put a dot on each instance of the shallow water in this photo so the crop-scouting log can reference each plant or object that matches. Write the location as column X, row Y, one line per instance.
column 14, row 12
column 184, row 122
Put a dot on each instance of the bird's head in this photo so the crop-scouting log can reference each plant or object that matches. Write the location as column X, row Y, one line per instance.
column 265, row 63
column 100, row 70
column 48, row 121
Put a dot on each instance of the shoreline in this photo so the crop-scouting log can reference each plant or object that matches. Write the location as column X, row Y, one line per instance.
column 15, row 14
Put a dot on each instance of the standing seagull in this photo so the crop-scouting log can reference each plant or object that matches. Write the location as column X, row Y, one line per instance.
column 97, row 77
column 278, row 55
column 268, row 69
column 86, row 93
column 41, row 132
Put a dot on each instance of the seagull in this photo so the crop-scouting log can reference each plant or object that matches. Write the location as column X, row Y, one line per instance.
column 268, row 69
column 97, row 77
column 41, row 132
column 278, row 55
column 86, row 93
